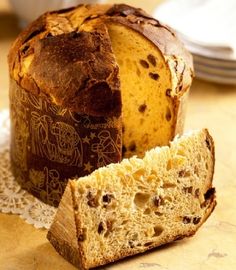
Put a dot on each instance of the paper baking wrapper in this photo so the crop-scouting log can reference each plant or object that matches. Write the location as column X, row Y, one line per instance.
column 50, row 144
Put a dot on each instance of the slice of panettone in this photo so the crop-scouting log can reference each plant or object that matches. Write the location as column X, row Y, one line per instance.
column 128, row 208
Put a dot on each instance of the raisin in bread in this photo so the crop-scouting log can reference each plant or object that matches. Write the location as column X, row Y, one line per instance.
column 127, row 208
column 87, row 82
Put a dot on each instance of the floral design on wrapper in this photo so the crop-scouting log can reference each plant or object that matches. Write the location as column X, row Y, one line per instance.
column 37, row 178
column 66, row 147
column 20, row 143
column 55, row 187
column 79, row 119
column 87, row 122
column 104, row 148
column 20, row 127
column 35, row 102
column 13, row 199
column 110, row 122
column 18, row 97
column 50, row 179
column 46, row 135
column 69, row 143
column 57, row 110
column 119, row 141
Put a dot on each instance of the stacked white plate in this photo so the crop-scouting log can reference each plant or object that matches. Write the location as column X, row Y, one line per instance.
column 208, row 29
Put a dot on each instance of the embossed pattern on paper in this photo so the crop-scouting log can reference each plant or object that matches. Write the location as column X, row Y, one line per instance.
column 50, row 144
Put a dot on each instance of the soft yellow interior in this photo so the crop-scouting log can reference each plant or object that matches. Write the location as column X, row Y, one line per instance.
column 147, row 110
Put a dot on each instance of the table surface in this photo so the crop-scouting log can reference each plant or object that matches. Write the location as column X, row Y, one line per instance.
column 22, row 247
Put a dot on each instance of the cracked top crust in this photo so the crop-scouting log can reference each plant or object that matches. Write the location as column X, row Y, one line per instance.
column 66, row 56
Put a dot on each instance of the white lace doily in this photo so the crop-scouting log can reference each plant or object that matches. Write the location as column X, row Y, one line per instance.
column 13, row 199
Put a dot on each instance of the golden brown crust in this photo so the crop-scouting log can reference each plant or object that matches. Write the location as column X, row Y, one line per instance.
column 63, row 235
column 85, row 58
column 35, row 28
column 50, row 37
column 211, row 145
column 180, row 107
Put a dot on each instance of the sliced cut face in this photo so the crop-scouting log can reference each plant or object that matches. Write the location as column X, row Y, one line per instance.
column 148, row 111
column 127, row 208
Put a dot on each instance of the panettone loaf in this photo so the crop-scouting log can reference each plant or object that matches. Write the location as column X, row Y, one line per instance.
column 87, row 82
column 127, row 208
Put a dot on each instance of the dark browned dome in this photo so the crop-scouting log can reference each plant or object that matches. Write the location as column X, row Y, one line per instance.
column 61, row 50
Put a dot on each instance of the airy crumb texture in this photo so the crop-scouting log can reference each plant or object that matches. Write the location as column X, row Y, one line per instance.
column 127, row 208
